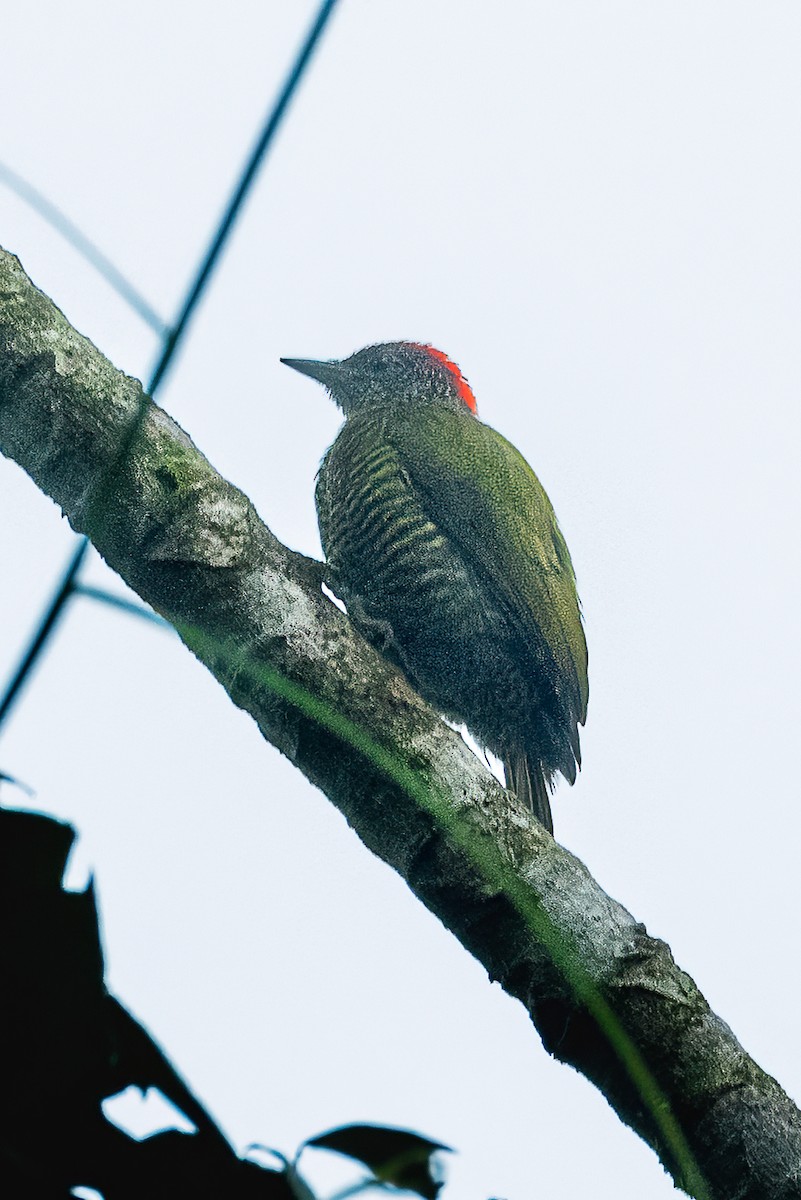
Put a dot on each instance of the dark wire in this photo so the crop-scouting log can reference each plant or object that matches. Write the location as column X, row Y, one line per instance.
column 112, row 601
column 269, row 130
column 67, row 585
column 76, row 238
column 46, row 627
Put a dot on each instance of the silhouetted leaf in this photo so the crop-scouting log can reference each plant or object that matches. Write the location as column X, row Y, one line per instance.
column 395, row 1156
column 66, row 1045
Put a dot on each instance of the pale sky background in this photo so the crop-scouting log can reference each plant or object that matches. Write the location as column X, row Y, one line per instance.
column 595, row 208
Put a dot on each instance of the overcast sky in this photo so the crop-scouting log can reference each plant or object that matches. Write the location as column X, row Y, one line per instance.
column 594, row 206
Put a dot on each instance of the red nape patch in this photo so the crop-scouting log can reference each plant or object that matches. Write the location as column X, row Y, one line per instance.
column 462, row 386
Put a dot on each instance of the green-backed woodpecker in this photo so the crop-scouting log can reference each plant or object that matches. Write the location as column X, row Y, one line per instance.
column 442, row 543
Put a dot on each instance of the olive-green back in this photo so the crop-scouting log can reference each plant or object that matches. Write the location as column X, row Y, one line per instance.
column 486, row 497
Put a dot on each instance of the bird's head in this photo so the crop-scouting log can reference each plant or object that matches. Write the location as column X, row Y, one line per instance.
column 388, row 375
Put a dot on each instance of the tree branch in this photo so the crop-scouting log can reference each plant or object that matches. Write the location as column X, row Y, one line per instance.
column 605, row 997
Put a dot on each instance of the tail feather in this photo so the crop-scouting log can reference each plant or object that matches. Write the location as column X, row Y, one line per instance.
column 525, row 777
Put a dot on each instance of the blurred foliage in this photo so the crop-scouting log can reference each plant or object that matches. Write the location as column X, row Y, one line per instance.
column 395, row 1156
column 67, row 1045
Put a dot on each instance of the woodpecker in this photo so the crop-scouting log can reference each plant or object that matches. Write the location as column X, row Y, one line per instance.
column 442, row 543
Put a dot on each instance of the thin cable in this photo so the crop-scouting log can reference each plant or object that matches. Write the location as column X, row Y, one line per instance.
column 80, row 242
column 129, row 606
column 46, row 627
column 271, row 125
column 67, row 584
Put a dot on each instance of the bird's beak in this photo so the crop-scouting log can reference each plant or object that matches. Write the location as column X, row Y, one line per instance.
column 327, row 373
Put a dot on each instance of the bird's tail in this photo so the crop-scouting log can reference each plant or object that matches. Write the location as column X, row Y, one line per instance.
column 526, row 778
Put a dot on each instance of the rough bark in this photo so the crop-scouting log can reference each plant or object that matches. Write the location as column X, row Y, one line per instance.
column 604, row 996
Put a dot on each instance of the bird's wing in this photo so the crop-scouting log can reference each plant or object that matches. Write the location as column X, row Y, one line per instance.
column 485, row 496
